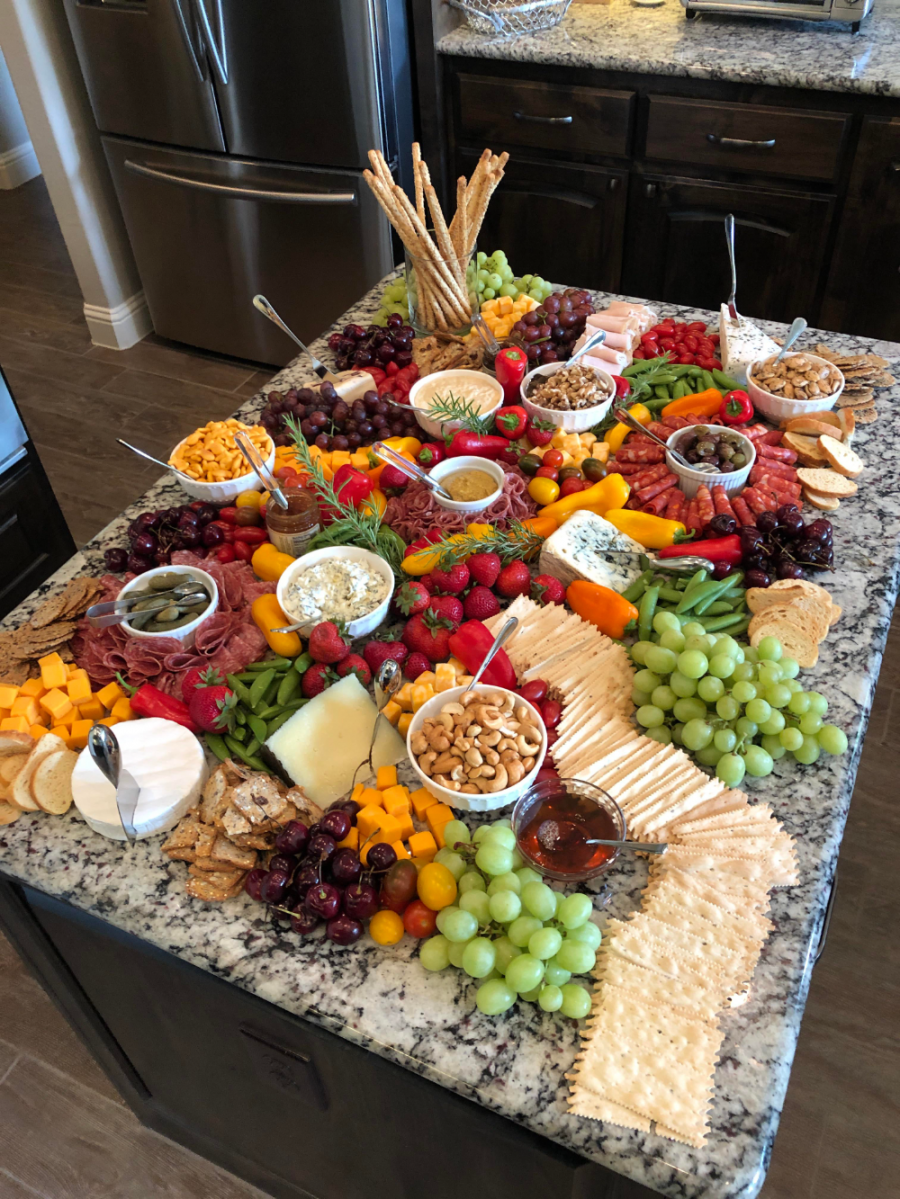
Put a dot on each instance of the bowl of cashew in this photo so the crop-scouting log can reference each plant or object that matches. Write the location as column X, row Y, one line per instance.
column 476, row 750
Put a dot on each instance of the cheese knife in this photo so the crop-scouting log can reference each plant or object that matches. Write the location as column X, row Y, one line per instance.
column 261, row 304
column 104, row 749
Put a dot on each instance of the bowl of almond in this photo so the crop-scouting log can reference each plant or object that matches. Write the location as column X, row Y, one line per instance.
column 797, row 385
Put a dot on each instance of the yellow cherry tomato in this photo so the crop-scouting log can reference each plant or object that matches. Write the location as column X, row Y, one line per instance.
column 386, row 928
column 543, row 491
column 436, row 886
column 248, row 499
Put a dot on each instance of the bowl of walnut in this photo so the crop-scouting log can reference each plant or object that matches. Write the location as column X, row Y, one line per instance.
column 572, row 396
column 799, row 384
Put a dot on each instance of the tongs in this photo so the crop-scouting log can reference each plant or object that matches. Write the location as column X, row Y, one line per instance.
column 245, row 445
column 102, row 616
column 386, row 454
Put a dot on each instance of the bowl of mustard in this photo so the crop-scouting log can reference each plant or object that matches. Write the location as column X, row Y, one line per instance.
column 473, row 483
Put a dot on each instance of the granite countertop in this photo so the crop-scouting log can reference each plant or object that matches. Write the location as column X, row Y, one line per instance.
column 381, row 999
column 823, row 56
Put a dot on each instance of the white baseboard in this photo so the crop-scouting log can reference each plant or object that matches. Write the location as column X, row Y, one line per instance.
column 121, row 327
column 17, row 166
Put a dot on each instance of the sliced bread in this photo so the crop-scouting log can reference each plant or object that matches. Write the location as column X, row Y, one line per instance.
column 11, row 765
column 8, row 813
column 15, row 743
column 847, row 421
column 782, row 591
column 802, row 611
column 825, row 503
column 20, row 795
column 51, row 783
column 827, row 482
column 814, row 426
column 796, row 642
column 807, row 449
column 844, row 460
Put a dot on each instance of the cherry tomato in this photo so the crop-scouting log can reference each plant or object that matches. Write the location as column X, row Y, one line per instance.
column 399, row 885
column 641, row 354
column 228, row 514
column 225, row 553
column 690, row 343
column 547, row 472
column 530, row 463
column 535, row 691
column 386, row 928
column 714, row 338
column 570, row 486
column 593, row 469
column 543, row 491
column 248, row 516
column 699, row 326
column 436, row 886
column 243, row 551
column 705, row 364
column 667, row 343
column 419, row 920
column 568, row 472
column 553, row 458
column 686, row 359
column 551, row 713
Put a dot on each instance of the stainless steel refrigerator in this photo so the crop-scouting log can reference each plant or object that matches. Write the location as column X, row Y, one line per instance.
column 237, row 132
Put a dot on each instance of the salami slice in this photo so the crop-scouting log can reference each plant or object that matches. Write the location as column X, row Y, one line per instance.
column 674, row 504
column 757, row 502
column 648, row 476
column 767, row 467
column 646, row 454
column 772, row 437
column 657, row 505
column 705, row 509
column 675, row 422
column 721, row 501
column 742, row 512
column 755, row 431
column 781, row 453
column 648, row 493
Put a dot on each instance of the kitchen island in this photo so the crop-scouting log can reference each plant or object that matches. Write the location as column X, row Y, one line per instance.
column 310, row 1068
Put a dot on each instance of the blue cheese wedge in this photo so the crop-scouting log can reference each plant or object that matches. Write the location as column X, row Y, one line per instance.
column 580, row 549
column 742, row 343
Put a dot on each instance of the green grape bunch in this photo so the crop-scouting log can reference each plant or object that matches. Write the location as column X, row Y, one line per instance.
column 508, row 930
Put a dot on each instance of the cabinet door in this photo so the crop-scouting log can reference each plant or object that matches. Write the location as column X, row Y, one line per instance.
column 863, row 291
column 34, row 538
column 563, row 223
column 676, row 245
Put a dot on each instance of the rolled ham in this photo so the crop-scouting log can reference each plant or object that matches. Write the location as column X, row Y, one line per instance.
column 616, row 341
column 647, row 317
column 613, row 324
column 606, row 359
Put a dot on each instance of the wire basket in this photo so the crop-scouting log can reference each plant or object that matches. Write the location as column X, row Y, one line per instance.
column 508, row 18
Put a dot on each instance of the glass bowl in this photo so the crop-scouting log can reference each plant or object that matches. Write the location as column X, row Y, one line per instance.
column 579, row 810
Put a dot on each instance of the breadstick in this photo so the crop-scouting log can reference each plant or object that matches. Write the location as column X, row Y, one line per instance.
column 462, row 232
column 443, row 269
column 380, row 167
column 417, row 179
column 442, row 233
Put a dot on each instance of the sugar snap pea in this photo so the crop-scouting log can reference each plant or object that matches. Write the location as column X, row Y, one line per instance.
column 687, row 601
column 252, row 746
column 259, row 688
column 218, row 746
column 638, row 587
column 272, row 690
column 239, row 752
column 269, row 664
column 670, row 595
column 729, row 623
column 239, row 733
column 288, row 687
column 723, row 381
column 257, row 727
column 278, row 721
column 242, row 692
column 645, row 613
column 708, row 593
column 303, row 663
column 708, row 380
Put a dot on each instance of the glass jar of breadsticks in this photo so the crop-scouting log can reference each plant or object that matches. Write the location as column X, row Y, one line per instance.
column 440, row 257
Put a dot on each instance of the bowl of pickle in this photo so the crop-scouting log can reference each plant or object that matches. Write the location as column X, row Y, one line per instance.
column 169, row 602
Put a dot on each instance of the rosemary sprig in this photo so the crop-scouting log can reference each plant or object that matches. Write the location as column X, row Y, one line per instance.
column 509, row 545
column 466, row 412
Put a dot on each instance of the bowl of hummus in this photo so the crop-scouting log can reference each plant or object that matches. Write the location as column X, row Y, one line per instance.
column 434, row 396
column 474, row 483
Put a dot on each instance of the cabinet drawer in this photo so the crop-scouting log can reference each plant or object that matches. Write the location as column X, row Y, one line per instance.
column 743, row 137
column 584, row 120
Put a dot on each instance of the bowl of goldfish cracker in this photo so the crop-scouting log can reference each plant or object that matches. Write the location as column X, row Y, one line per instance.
column 210, row 456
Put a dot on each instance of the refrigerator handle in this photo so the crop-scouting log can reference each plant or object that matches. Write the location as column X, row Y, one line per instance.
column 186, row 35
column 241, row 193
column 215, row 49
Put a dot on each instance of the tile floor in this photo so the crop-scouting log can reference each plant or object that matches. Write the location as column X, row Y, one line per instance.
column 67, row 1134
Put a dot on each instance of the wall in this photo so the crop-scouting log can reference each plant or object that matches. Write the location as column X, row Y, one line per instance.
column 18, row 162
column 36, row 42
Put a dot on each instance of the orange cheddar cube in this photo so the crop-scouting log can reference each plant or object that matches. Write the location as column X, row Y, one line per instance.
column 91, row 710
column 389, row 830
column 444, row 677
column 14, row 724
column 357, row 792
column 33, row 687
column 458, row 667
column 57, row 703
column 61, row 730
column 392, row 711
column 422, row 693
column 78, row 737
column 421, row 801
column 370, row 798
column 71, row 668
column 38, row 730
column 109, row 721
column 8, row 695
column 404, row 697
column 426, row 677
column 394, row 795
column 122, row 709
column 405, row 823
column 351, row 841
column 386, row 777
column 436, row 817
column 78, row 689
column 27, row 707
column 339, row 458
column 400, row 850
column 78, row 672
column 109, row 694
column 4, row 712
column 404, row 722
column 369, row 819
column 423, row 846
column 53, row 671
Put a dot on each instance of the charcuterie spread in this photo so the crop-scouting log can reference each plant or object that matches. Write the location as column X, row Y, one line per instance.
column 294, row 688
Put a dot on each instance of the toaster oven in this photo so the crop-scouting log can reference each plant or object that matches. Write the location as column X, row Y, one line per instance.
column 849, row 11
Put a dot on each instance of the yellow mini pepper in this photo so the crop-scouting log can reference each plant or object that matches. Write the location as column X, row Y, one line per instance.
column 268, row 615
column 611, row 492
column 617, row 434
column 269, row 564
column 653, row 532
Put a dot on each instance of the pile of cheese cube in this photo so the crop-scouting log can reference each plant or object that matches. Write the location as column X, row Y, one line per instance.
column 502, row 313
column 411, row 696
column 575, row 447
column 61, row 701
column 385, row 815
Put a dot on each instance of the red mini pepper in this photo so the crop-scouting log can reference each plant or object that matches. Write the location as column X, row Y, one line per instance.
column 148, row 700
column 250, row 535
column 431, row 453
column 623, row 387
column 351, row 486
column 480, row 445
column 470, row 643
column 509, row 367
column 736, row 408
column 511, row 421
column 422, row 543
column 716, row 549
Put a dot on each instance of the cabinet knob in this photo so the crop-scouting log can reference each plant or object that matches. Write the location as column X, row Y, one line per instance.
column 650, row 190
column 613, row 184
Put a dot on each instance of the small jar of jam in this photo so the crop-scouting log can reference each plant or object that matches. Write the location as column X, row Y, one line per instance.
column 556, row 823
column 291, row 529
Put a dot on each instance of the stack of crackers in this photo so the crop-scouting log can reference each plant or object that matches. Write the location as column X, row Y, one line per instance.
column 863, row 373
column 800, row 614
column 49, row 629
column 240, row 815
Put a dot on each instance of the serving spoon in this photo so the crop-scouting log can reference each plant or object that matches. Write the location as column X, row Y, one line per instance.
column 798, row 326
column 551, row 832
column 158, row 461
column 504, row 635
column 625, row 418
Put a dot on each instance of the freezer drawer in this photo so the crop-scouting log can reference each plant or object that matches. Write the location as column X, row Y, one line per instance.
column 145, row 70
column 210, row 232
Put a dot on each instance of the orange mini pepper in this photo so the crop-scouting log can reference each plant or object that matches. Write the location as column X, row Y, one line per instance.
column 601, row 606
column 701, row 403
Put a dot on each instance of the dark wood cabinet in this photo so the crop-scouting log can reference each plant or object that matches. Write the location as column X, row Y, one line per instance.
column 565, row 223
column 676, row 249
column 34, row 537
column 863, row 288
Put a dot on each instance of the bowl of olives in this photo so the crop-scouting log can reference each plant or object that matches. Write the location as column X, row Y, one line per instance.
column 192, row 597
column 729, row 452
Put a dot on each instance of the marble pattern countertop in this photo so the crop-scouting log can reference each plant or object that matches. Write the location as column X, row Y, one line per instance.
column 515, row 1065
column 819, row 55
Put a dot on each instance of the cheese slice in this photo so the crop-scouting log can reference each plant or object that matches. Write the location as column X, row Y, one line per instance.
column 741, row 343
column 167, row 763
column 576, row 551
column 353, row 385
column 322, row 744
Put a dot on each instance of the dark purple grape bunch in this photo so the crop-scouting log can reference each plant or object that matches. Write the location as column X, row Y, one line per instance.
column 153, row 536
column 356, row 347
column 783, row 546
column 549, row 332
column 332, row 424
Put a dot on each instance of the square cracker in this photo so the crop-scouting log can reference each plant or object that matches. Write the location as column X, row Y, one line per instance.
column 585, row 1103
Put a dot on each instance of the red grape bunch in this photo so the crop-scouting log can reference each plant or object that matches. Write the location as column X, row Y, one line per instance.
column 550, row 332
column 153, row 536
column 332, row 424
column 375, row 346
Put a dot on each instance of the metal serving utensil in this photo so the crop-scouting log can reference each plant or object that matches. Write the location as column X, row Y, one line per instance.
column 105, row 621
column 387, row 683
column 683, row 564
column 549, row 832
column 503, row 636
column 261, row 304
column 480, row 325
column 245, row 445
column 386, row 454
column 104, row 749
column 626, row 418
column 798, row 326
column 158, row 461
column 729, row 241
column 596, row 339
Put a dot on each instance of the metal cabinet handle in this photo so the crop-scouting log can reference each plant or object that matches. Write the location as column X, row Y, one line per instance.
column 525, row 116
column 613, row 184
column 650, row 190
column 826, row 923
column 739, row 143
column 895, row 166
column 241, row 193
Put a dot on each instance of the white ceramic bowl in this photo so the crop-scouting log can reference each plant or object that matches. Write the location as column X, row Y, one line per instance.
column 186, row 633
column 691, row 480
column 451, row 465
column 221, row 493
column 572, row 422
column 443, row 381
column 777, row 409
column 363, row 624
column 483, row 801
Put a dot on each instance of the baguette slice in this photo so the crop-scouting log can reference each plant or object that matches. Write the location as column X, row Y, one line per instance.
column 797, row 642
column 15, row 743
column 844, row 460
column 807, row 449
column 824, row 482
column 783, row 591
column 8, row 813
column 814, row 426
column 825, row 503
column 10, row 766
column 51, row 783
column 847, row 419
column 20, row 795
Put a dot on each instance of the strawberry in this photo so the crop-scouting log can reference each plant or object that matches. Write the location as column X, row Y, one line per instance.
column 317, row 679
column 427, row 582
column 513, row 580
column 416, row 664
column 539, row 432
column 429, row 634
column 392, row 480
column 377, row 652
column 411, row 598
column 326, row 643
column 545, row 589
column 481, row 603
column 454, row 580
column 447, row 606
column 354, row 664
column 212, row 708
column 484, row 568
column 196, row 677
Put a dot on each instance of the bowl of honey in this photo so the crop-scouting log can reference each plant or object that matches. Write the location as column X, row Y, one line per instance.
column 558, row 822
